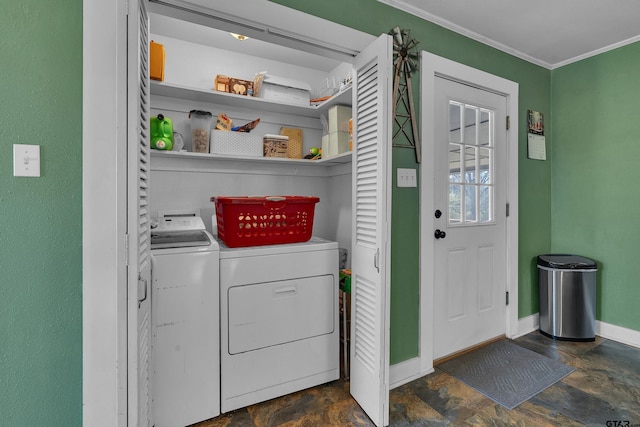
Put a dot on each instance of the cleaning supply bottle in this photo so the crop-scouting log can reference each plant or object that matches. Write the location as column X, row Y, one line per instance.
column 161, row 133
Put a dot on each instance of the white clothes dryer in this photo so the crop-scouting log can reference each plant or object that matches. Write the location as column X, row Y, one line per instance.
column 279, row 320
column 185, row 346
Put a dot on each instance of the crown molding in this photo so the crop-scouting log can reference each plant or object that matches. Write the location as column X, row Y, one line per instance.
column 596, row 52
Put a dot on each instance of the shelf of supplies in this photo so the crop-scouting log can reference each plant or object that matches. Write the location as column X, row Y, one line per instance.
column 211, row 96
column 336, row 160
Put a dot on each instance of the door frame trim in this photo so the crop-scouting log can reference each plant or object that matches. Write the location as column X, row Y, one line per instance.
column 104, row 285
column 433, row 66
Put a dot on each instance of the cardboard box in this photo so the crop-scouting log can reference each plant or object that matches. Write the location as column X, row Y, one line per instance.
column 157, row 60
column 221, row 83
column 223, row 122
column 285, row 90
column 339, row 116
column 294, row 148
column 240, row 87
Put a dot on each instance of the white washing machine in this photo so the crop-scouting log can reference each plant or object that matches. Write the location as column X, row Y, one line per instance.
column 279, row 320
column 185, row 356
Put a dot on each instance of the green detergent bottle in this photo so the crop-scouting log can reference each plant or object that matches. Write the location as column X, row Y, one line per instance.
column 161, row 133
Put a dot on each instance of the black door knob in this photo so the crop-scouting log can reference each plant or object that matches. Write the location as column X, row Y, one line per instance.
column 438, row 213
column 439, row 234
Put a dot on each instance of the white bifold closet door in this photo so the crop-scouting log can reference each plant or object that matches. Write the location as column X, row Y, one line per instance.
column 139, row 265
column 370, row 229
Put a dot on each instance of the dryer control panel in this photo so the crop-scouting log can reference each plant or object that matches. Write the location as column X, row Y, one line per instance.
column 177, row 223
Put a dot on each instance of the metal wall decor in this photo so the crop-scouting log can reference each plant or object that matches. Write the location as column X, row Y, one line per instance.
column 405, row 60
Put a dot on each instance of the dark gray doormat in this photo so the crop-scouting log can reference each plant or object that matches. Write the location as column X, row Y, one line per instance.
column 506, row 373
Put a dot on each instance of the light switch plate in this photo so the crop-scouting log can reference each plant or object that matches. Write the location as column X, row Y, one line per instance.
column 406, row 178
column 26, row 160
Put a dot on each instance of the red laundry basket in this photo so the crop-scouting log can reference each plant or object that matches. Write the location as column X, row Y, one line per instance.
column 256, row 221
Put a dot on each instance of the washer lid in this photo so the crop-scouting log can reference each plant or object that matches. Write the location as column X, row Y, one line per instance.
column 179, row 239
column 566, row 262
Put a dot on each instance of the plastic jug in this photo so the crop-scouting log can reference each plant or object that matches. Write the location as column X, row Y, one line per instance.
column 161, row 133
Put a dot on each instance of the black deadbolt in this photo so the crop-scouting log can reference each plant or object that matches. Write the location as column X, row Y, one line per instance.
column 438, row 213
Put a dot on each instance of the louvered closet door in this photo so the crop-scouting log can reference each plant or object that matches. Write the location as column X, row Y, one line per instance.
column 370, row 228
column 139, row 273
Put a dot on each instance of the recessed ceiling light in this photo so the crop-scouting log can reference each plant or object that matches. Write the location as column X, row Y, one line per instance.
column 239, row 36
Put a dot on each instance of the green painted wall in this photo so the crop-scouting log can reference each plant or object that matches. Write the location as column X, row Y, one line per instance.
column 596, row 150
column 534, row 176
column 40, row 231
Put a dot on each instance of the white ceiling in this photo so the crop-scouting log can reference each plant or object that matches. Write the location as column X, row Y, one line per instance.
column 275, row 31
column 201, row 34
column 550, row 33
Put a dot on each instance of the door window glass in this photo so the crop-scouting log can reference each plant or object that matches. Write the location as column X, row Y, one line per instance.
column 471, row 153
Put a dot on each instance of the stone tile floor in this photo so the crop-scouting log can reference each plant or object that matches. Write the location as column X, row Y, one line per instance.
column 604, row 390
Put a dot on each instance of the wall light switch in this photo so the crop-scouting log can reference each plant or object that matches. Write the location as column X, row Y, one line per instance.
column 26, row 160
column 407, row 178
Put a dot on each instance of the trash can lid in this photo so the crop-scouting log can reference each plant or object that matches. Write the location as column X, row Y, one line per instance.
column 566, row 262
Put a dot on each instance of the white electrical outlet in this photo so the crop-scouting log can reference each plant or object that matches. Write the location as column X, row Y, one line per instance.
column 26, row 160
column 407, row 178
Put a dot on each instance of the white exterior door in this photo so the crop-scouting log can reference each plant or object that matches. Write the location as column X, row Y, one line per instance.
column 434, row 173
column 370, row 230
column 470, row 216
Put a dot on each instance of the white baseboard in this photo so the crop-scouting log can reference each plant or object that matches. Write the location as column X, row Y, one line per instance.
column 404, row 372
column 409, row 370
column 527, row 325
column 618, row 333
column 605, row 330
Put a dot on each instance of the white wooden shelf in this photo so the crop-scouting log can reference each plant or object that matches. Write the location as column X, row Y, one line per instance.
column 185, row 159
column 211, row 96
column 336, row 160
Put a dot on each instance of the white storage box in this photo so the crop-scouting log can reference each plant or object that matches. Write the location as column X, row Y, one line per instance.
column 339, row 116
column 236, row 143
column 285, row 90
column 334, row 143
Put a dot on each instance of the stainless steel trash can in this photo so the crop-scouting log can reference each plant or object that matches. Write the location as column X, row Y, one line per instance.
column 567, row 295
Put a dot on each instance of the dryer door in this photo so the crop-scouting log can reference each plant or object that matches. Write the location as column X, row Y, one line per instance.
column 268, row 314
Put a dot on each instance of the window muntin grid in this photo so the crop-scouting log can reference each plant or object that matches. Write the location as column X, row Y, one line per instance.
column 471, row 156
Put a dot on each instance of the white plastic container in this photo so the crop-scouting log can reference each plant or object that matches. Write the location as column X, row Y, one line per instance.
column 275, row 145
column 200, row 130
column 285, row 90
column 236, row 143
column 339, row 116
column 334, row 143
